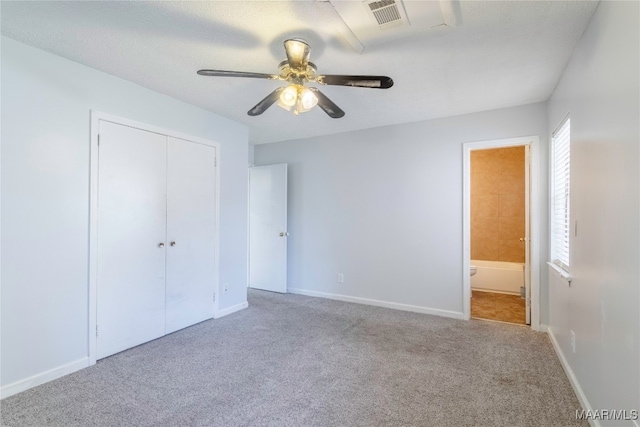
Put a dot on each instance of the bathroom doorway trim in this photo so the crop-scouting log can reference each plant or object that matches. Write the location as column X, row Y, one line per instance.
column 535, row 216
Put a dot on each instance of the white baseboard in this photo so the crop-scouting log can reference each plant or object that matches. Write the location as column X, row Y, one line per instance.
column 379, row 303
column 232, row 309
column 44, row 377
column 495, row 292
column 582, row 398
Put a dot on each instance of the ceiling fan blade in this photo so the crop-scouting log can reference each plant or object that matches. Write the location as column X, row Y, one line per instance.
column 267, row 102
column 297, row 53
column 378, row 82
column 223, row 73
column 327, row 105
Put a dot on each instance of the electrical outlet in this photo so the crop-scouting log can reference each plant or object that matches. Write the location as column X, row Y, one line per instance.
column 573, row 341
column 226, row 288
column 340, row 278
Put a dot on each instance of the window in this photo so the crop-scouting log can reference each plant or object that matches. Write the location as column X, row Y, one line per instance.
column 560, row 186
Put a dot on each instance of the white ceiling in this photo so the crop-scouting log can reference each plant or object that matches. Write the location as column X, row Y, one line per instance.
column 499, row 54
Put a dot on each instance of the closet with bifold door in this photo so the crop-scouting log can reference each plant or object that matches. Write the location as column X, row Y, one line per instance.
column 155, row 236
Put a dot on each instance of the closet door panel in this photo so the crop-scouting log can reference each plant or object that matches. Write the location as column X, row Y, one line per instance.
column 191, row 228
column 132, row 201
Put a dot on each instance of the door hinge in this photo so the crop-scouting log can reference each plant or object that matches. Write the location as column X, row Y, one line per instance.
column 215, row 162
column 98, row 139
column 96, row 330
column 214, row 297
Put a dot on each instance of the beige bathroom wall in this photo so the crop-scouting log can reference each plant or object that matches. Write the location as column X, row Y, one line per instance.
column 498, row 204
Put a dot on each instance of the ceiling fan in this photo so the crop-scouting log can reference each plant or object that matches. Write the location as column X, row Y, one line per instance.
column 298, row 70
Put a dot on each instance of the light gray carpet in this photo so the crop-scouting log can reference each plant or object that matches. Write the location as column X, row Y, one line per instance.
column 290, row 360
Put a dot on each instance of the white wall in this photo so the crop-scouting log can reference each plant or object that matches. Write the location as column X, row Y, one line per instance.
column 600, row 90
column 46, row 103
column 251, row 156
column 383, row 206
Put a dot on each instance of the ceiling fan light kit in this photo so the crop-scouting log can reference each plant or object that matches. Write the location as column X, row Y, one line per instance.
column 298, row 70
column 298, row 98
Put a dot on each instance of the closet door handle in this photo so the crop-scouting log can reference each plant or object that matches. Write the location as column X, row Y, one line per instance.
column 173, row 243
column 161, row 245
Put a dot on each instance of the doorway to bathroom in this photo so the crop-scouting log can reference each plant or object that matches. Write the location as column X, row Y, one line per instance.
column 500, row 257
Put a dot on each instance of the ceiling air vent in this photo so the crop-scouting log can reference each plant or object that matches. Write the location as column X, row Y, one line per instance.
column 373, row 22
column 385, row 11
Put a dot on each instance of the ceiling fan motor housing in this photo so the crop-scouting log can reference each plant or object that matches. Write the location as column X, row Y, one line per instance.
column 309, row 74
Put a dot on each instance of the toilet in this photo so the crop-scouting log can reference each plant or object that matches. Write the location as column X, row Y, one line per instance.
column 473, row 269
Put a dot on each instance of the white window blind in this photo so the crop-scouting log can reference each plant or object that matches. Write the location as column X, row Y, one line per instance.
column 560, row 187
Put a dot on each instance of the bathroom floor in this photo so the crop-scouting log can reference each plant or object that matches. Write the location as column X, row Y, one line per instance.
column 502, row 307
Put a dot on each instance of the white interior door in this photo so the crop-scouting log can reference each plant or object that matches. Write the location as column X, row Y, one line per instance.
column 527, row 237
column 191, row 228
column 131, row 237
column 268, row 227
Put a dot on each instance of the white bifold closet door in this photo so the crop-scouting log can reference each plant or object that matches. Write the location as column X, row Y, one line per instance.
column 191, row 225
column 156, row 225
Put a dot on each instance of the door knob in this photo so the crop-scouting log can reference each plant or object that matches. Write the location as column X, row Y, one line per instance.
column 522, row 239
column 173, row 243
column 281, row 234
column 161, row 245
